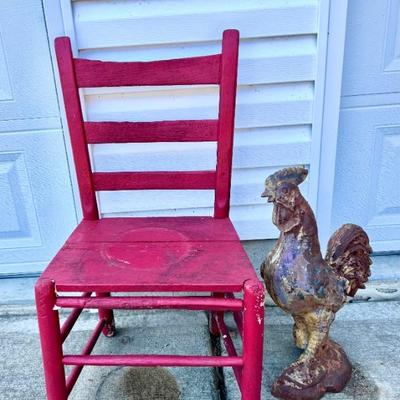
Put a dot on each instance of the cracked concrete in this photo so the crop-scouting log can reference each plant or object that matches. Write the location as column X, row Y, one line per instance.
column 368, row 331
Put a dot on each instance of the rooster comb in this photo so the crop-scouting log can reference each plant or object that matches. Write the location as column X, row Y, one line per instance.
column 294, row 175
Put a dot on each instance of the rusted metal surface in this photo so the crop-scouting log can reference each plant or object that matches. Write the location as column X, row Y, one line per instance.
column 312, row 289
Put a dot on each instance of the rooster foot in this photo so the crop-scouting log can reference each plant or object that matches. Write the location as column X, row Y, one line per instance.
column 309, row 379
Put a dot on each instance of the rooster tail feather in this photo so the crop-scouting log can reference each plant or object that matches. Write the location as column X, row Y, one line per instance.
column 349, row 255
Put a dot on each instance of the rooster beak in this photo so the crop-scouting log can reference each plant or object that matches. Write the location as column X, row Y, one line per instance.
column 269, row 195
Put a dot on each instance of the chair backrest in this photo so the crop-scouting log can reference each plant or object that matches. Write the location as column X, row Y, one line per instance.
column 220, row 69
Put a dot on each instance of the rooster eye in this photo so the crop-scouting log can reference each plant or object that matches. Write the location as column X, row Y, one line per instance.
column 284, row 190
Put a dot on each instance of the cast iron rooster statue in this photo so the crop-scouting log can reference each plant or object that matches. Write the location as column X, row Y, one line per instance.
column 312, row 289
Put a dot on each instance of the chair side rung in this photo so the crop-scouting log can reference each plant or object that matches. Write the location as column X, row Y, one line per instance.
column 153, row 360
column 158, row 180
column 229, row 346
column 152, row 302
column 157, row 131
column 228, row 342
column 71, row 319
column 237, row 316
column 76, row 371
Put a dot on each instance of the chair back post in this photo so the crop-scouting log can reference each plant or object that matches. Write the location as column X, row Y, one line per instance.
column 227, row 101
column 73, row 110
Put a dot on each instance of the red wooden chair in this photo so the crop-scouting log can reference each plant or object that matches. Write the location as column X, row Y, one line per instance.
column 171, row 254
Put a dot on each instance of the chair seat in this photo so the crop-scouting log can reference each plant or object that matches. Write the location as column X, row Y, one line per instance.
column 152, row 254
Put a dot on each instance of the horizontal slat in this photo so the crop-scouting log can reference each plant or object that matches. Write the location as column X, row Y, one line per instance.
column 258, row 224
column 261, row 60
column 161, row 131
column 257, row 106
column 184, row 71
column 243, row 212
column 254, row 148
column 156, row 360
column 120, row 23
column 251, row 221
column 154, row 180
column 247, row 185
column 152, row 302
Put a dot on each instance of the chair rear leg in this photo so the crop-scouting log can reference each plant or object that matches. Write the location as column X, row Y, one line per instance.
column 50, row 338
column 108, row 316
column 253, row 333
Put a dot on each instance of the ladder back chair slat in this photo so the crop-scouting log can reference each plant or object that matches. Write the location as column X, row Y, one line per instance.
column 145, row 132
column 220, row 69
column 184, row 71
column 171, row 180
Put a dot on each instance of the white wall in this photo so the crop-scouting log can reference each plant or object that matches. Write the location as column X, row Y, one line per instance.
column 282, row 51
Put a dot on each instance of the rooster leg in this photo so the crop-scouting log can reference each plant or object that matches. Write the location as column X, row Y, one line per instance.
column 300, row 333
column 308, row 370
column 318, row 323
column 322, row 367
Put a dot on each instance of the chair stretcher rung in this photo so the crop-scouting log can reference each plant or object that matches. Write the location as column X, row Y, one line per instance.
column 152, row 360
column 229, row 346
column 71, row 319
column 237, row 316
column 74, row 374
column 151, row 302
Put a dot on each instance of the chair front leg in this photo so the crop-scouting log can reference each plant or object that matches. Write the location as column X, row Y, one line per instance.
column 108, row 316
column 50, row 338
column 253, row 334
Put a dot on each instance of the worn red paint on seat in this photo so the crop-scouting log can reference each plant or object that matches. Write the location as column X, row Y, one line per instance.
column 160, row 254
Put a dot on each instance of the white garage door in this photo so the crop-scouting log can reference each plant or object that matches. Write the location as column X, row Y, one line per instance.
column 368, row 165
column 36, row 203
